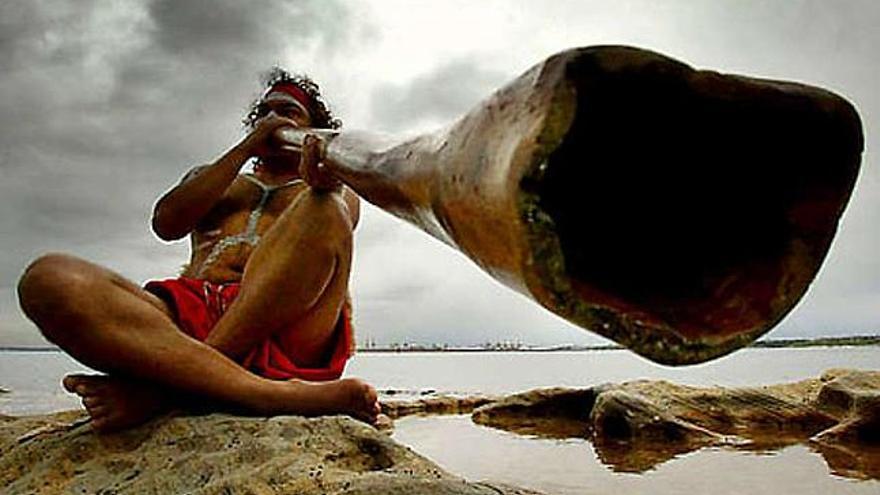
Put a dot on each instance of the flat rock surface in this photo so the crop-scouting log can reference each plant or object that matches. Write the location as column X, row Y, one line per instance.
column 217, row 454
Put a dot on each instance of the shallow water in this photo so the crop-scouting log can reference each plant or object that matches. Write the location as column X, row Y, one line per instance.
column 34, row 377
column 500, row 372
column 572, row 467
column 553, row 466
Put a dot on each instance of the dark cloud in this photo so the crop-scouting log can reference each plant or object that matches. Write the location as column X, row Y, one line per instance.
column 436, row 97
column 24, row 27
column 216, row 29
column 197, row 28
column 142, row 88
column 131, row 79
column 15, row 22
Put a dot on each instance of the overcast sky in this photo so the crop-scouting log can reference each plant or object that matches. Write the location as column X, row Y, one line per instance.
column 104, row 104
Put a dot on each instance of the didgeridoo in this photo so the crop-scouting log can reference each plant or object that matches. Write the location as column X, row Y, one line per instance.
column 681, row 213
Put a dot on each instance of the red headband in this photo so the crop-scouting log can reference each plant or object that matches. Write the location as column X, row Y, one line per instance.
column 293, row 90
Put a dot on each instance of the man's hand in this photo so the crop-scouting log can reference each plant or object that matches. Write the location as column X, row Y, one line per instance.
column 311, row 166
column 258, row 142
column 179, row 210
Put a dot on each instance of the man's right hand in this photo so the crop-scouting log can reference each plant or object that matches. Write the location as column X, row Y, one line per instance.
column 180, row 209
column 311, row 166
column 258, row 143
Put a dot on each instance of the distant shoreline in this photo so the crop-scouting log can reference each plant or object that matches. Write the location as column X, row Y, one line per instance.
column 858, row 340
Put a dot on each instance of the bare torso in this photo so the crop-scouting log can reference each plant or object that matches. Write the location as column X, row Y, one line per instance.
column 223, row 240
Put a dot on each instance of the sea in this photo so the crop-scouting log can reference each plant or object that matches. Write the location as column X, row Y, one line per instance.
column 552, row 466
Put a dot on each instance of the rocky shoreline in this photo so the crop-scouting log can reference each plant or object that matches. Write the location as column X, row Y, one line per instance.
column 637, row 425
column 633, row 426
column 218, row 454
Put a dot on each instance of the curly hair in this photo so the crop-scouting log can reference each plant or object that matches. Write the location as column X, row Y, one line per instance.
column 321, row 115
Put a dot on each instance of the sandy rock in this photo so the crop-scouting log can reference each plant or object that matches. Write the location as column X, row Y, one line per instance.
column 216, row 454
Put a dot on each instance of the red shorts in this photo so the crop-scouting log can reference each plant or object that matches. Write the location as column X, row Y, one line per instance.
column 197, row 305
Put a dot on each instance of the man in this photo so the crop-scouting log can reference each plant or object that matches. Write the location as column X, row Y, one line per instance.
column 260, row 319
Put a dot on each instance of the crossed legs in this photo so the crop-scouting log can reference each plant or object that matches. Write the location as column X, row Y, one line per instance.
column 296, row 275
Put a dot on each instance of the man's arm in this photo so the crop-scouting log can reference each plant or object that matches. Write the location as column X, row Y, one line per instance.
column 353, row 203
column 180, row 209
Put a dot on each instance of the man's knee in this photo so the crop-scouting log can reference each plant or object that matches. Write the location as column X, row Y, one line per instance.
column 50, row 284
column 330, row 212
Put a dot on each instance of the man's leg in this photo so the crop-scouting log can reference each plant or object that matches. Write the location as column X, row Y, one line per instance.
column 297, row 277
column 110, row 324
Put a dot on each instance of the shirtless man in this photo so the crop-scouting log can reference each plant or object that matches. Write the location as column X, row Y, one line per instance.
column 260, row 320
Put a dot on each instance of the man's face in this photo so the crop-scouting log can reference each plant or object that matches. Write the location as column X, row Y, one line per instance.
column 284, row 105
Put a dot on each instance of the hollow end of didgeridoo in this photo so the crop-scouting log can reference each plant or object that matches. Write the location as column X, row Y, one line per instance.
column 684, row 213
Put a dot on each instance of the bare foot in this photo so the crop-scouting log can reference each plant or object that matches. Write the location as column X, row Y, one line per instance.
column 349, row 396
column 115, row 404
column 384, row 423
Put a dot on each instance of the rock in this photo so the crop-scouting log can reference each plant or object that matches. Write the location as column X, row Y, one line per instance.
column 552, row 412
column 853, row 398
column 634, row 426
column 852, row 447
column 633, row 434
column 218, row 453
column 637, row 425
column 761, row 415
column 441, row 404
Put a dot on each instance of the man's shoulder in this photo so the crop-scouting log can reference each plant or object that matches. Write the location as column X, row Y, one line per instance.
column 193, row 172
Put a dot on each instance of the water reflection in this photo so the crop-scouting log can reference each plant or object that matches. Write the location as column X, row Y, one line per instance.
column 636, row 426
column 573, row 466
column 862, row 463
column 639, row 455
